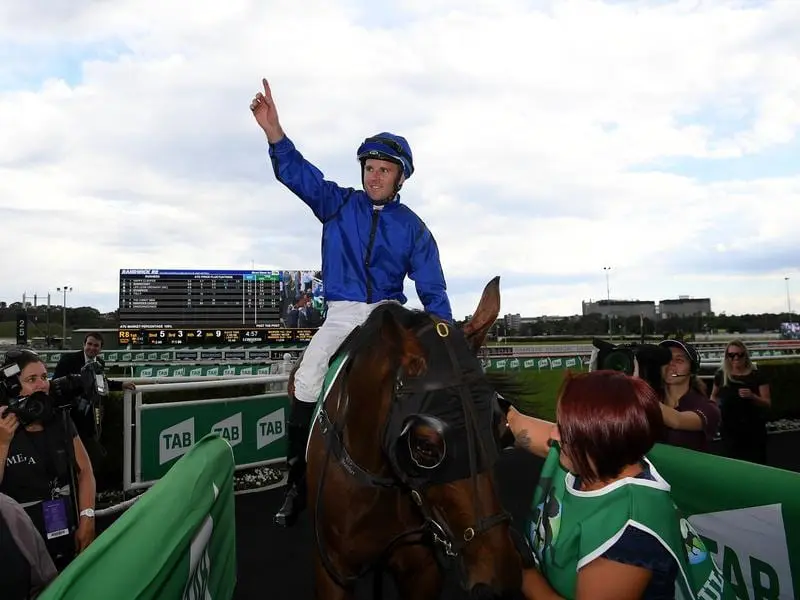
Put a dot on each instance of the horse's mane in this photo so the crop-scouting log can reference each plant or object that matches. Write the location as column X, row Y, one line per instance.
column 365, row 339
column 369, row 333
column 508, row 385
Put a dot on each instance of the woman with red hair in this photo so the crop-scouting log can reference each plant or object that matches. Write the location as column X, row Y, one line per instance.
column 603, row 523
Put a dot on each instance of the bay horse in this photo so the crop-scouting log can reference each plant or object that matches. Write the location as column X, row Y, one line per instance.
column 400, row 457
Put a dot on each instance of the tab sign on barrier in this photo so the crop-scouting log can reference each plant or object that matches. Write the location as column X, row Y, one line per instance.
column 253, row 425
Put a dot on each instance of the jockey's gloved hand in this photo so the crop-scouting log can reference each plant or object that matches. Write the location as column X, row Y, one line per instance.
column 505, row 437
column 504, row 404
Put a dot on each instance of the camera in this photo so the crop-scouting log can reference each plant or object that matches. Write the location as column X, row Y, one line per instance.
column 83, row 391
column 90, row 384
column 640, row 360
column 36, row 407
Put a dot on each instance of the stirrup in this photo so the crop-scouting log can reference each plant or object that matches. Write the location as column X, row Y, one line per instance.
column 293, row 505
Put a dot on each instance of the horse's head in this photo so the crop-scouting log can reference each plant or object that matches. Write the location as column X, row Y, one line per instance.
column 423, row 413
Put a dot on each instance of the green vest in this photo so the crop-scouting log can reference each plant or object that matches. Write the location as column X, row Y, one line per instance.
column 569, row 528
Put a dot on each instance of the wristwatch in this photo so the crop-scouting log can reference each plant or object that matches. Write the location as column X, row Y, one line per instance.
column 87, row 512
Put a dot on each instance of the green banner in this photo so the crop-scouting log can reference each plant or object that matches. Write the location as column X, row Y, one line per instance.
column 748, row 515
column 541, row 363
column 190, row 370
column 178, row 541
column 253, row 425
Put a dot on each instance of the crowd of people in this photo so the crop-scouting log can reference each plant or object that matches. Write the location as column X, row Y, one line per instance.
column 47, row 482
column 619, row 533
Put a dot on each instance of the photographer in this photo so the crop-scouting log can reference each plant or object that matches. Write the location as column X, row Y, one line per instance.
column 691, row 418
column 83, row 414
column 670, row 368
column 42, row 460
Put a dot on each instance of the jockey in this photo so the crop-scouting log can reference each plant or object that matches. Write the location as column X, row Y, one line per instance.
column 370, row 243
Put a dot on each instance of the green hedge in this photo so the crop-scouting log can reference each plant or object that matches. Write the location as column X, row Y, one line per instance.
column 784, row 386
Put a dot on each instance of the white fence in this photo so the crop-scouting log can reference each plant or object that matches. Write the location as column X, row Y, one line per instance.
column 156, row 434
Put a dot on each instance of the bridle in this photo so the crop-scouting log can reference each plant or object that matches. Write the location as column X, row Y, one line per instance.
column 434, row 531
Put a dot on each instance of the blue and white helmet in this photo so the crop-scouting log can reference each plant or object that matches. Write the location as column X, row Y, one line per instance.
column 387, row 146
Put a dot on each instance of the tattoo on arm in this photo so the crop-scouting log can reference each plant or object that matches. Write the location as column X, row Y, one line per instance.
column 523, row 440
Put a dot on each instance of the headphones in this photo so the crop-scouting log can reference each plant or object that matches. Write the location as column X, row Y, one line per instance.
column 10, row 383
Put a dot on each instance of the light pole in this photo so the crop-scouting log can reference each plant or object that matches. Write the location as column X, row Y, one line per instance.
column 608, row 299
column 788, row 299
column 64, row 289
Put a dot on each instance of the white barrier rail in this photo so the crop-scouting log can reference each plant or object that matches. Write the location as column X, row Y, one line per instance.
column 133, row 406
column 184, row 379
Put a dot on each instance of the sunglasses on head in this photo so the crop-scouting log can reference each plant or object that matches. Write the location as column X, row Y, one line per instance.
column 735, row 354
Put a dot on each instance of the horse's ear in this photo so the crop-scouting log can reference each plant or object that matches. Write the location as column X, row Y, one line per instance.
column 400, row 342
column 484, row 316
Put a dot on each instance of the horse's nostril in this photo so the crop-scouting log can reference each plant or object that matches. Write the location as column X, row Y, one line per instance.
column 482, row 591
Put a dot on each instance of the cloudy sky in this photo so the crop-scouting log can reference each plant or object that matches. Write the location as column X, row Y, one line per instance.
column 551, row 138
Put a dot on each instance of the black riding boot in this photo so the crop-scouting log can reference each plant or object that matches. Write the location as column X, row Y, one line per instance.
column 297, row 435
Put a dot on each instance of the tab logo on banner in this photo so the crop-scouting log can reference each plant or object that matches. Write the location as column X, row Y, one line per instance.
column 230, row 429
column 749, row 545
column 163, row 372
column 269, row 428
column 175, row 441
column 199, row 563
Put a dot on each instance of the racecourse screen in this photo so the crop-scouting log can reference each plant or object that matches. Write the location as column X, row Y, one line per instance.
column 179, row 307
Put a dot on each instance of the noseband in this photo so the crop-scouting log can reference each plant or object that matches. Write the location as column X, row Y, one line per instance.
column 410, row 393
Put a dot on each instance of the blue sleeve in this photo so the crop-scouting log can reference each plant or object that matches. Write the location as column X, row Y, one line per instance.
column 307, row 182
column 426, row 272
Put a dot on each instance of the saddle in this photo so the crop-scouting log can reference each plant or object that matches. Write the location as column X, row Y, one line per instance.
column 336, row 363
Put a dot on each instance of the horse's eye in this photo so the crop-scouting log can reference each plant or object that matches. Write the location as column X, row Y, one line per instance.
column 427, row 445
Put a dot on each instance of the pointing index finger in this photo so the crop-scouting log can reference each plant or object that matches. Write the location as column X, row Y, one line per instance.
column 267, row 92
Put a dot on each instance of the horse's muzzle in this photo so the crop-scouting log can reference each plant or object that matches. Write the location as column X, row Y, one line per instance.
column 483, row 591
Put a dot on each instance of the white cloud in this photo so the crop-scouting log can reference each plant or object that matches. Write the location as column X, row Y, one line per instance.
column 535, row 127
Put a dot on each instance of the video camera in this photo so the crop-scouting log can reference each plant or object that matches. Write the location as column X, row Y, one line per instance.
column 642, row 360
column 84, row 391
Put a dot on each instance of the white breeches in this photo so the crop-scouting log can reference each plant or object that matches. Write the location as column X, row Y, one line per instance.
column 342, row 317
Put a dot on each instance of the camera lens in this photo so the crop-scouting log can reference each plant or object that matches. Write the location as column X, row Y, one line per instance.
column 619, row 360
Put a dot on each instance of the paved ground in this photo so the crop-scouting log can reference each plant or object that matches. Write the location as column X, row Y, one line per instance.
column 276, row 563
